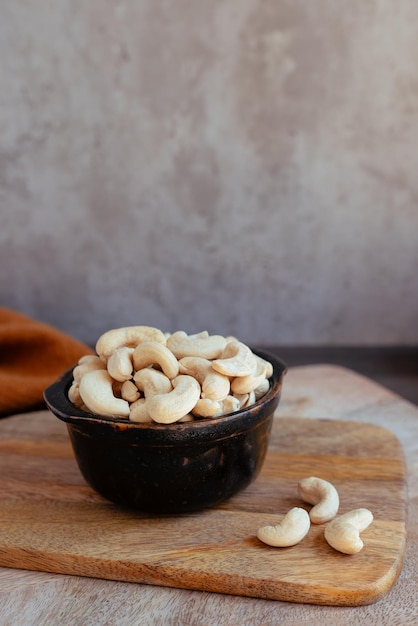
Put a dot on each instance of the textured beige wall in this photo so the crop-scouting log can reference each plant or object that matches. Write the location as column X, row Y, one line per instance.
column 240, row 166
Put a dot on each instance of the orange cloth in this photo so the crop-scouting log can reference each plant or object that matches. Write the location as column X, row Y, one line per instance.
column 32, row 356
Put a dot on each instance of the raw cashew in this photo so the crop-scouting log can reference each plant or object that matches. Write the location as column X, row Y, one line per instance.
column 139, row 412
column 195, row 366
column 151, row 353
column 267, row 365
column 169, row 407
column 236, row 360
column 97, row 394
column 129, row 391
column 74, row 396
column 202, row 345
column 88, row 358
column 245, row 384
column 129, row 336
column 262, row 389
column 248, row 402
column 323, row 495
column 119, row 364
column 290, row 531
column 205, row 407
column 186, row 418
column 215, row 386
column 242, row 398
column 152, row 382
column 343, row 533
column 230, row 404
column 87, row 365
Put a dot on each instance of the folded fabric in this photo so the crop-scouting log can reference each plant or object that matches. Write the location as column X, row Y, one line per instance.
column 32, row 356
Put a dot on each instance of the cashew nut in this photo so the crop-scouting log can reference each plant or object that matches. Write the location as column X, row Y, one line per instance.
column 201, row 344
column 169, row 407
column 245, row 400
column 242, row 398
column 129, row 391
column 96, row 392
column 87, row 358
column 152, row 382
column 119, row 364
column 74, row 396
column 186, row 418
column 267, row 365
column 290, row 531
column 323, row 495
column 87, row 365
column 129, row 336
column 195, row 366
column 151, row 353
column 139, row 412
column 262, row 389
column 230, row 404
column 245, row 384
column 205, row 407
column 343, row 533
column 215, row 386
column 236, row 360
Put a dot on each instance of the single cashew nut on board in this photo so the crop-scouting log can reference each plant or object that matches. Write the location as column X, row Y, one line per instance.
column 96, row 392
column 169, row 407
column 323, row 495
column 343, row 532
column 290, row 531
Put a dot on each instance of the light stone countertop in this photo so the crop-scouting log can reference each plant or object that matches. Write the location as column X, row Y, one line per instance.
column 317, row 391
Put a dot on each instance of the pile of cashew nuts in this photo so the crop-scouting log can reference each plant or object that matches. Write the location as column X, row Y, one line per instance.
column 341, row 532
column 146, row 375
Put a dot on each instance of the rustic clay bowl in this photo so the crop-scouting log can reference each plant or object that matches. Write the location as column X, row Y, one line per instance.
column 173, row 468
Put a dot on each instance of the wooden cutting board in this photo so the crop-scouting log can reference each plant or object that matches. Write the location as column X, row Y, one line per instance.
column 51, row 521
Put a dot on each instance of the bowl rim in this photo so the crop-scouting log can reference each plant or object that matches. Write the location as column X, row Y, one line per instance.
column 57, row 401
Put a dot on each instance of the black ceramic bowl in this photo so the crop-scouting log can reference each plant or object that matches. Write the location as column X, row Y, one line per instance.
column 170, row 468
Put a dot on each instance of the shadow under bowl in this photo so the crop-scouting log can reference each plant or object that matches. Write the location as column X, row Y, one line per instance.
column 169, row 468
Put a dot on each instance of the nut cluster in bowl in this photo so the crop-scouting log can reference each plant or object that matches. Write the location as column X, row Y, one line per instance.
column 145, row 375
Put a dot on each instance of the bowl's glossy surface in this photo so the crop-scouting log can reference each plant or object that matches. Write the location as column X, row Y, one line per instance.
column 174, row 468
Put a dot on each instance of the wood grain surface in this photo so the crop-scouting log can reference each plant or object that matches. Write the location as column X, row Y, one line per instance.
column 51, row 521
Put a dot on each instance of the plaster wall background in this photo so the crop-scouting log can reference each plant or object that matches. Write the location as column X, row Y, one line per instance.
column 248, row 167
